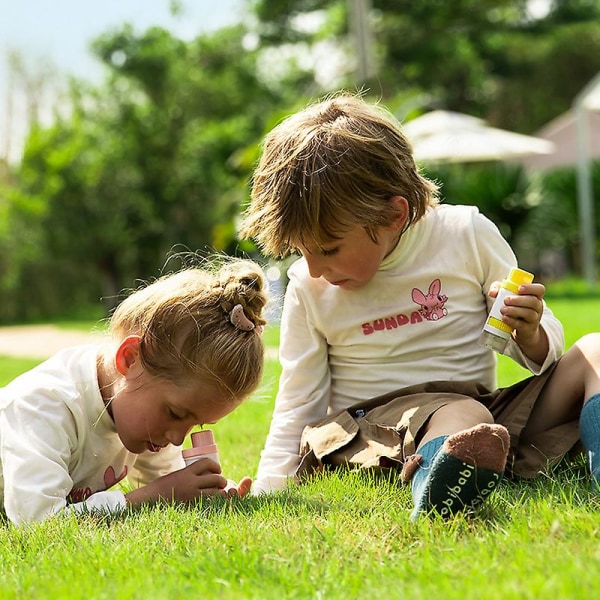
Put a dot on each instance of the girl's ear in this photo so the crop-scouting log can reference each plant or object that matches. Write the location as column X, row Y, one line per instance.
column 127, row 353
column 400, row 203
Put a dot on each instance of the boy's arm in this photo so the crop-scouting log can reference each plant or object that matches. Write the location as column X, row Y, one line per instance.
column 303, row 393
column 496, row 259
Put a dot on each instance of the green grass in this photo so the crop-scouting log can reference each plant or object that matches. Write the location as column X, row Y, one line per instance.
column 578, row 316
column 11, row 367
column 346, row 535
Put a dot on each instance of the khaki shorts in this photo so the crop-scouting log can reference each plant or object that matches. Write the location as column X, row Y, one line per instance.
column 384, row 431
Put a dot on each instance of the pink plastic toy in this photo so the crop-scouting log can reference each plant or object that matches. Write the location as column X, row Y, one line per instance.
column 203, row 446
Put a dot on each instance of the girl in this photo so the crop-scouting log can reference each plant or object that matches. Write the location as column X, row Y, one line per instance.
column 184, row 351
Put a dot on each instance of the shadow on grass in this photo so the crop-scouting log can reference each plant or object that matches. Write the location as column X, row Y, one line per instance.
column 363, row 494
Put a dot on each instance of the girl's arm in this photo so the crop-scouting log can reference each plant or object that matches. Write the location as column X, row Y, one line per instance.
column 36, row 450
column 149, row 467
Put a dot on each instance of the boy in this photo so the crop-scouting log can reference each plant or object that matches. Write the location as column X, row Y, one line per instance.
column 391, row 293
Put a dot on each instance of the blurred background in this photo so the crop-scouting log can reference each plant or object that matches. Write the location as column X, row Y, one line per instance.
column 129, row 129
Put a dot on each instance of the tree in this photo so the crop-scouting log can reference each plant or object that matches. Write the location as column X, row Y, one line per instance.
column 27, row 96
column 490, row 58
column 144, row 164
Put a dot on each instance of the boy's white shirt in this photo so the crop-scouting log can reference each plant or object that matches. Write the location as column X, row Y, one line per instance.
column 331, row 358
column 59, row 449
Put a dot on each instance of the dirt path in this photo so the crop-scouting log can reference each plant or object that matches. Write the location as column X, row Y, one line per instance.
column 41, row 341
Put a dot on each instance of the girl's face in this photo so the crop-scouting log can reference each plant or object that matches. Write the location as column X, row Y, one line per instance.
column 149, row 414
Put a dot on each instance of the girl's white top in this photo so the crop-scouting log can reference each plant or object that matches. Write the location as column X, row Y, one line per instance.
column 417, row 320
column 59, row 449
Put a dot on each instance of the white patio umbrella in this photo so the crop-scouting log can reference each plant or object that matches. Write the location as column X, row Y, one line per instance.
column 445, row 136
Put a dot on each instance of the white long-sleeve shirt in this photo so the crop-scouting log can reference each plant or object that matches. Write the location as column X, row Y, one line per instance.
column 417, row 320
column 59, row 449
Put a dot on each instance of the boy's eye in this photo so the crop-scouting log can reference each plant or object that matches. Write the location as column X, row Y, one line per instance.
column 329, row 251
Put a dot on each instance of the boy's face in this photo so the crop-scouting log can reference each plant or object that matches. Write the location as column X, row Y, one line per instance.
column 351, row 261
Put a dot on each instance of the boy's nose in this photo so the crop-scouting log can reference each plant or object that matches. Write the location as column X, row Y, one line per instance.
column 315, row 267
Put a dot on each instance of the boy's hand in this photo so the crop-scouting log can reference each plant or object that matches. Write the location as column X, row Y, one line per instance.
column 238, row 489
column 523, row 312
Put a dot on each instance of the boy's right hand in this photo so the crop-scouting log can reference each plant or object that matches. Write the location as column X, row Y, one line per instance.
column 240, row 489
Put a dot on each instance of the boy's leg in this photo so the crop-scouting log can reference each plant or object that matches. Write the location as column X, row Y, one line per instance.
column 572, row 390
column 457, row 471
column 575, row 379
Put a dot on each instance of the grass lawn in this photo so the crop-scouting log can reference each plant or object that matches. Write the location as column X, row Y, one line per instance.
column 343, row 536
column 578, row 316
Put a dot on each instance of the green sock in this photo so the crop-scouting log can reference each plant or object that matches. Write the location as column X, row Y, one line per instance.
column 462, row 472
column 420, row 479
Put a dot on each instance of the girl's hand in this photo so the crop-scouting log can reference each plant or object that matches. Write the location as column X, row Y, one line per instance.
column 523, row 312
column 201, row 478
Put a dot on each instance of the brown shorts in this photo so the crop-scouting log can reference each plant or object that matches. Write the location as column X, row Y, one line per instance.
column 383, row 431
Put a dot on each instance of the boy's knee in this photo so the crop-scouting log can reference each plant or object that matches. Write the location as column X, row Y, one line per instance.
column 461, row 414
column 589, row 345
column 471, row 408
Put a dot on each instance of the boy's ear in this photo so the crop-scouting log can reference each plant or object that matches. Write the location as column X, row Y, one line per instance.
column 127, row 353
column 400, row 203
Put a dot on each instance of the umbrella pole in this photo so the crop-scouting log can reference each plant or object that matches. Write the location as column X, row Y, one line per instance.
column 585, row 197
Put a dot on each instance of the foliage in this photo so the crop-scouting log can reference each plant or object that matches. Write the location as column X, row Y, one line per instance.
column 553, row 226
column 159, row 155
column 544, row 71
column 499, row 190
column 145, row 163
column 489, row 58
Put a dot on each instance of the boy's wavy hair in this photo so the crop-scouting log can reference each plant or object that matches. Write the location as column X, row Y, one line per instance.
column 186, row 333
column 327, row 168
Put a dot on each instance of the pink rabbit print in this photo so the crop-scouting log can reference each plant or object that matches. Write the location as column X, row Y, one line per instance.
column 110, row 479
column 432, row 303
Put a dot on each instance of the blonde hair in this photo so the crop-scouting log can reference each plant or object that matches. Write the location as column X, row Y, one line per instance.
column 186, row 333
column 329, row 167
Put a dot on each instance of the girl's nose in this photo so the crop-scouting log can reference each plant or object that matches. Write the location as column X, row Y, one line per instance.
column 177, row 436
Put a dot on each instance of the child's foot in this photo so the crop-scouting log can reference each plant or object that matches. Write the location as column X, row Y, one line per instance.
column 465, row 471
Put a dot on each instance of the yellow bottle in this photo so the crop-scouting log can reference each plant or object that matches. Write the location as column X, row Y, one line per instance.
column 496, row 333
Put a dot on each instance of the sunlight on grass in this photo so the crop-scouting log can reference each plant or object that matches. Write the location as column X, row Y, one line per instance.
column 344, row 535
column 12, row 367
